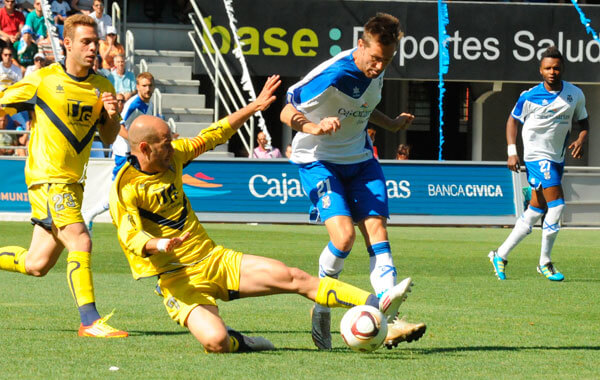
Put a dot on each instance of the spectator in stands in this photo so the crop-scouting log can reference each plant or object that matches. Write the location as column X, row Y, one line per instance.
column 60, row 10
column 263, row 150
column 288, row 151
column 39, row 61
column 11, row 22
column 403, row 152
column 110, row 48
column 36, row 21
column 97, row 67
column 372, row 132
column 9, row 72
column 26, row 48
column 83, row 6
column 21, row 140
column 122, row 80
column 102, row 19
column 6, row 139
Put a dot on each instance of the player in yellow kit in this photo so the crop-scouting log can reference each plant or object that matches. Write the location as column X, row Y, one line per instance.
column 70, row 103
column 161, row 236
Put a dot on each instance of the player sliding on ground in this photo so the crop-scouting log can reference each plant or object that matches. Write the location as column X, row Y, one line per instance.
column 70, row 102
column 161, row 236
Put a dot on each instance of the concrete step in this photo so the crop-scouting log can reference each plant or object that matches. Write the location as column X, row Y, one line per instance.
column 190, row 129
column 183, row 101
column 165, row 56
column 177, row 86
column 170, row 71
column 197, row 115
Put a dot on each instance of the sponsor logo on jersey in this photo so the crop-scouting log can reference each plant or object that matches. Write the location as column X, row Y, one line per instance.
column 569, row 98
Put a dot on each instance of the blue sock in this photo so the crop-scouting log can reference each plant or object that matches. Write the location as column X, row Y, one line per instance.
column 88, row 313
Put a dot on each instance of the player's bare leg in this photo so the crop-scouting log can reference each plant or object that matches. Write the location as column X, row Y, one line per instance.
column 206, row 325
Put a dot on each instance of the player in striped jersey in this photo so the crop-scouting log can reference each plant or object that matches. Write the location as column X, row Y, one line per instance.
column 70, row 102
column 161, row 236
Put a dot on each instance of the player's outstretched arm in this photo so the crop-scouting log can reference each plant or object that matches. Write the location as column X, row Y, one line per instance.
column 512, row 128
column 261, row 103
column 298, row 122
column 399, row 123
column 110, row 128
column 576, row 147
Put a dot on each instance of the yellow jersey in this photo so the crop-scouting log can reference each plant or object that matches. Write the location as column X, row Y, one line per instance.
column 67, row 110
column 144, row 206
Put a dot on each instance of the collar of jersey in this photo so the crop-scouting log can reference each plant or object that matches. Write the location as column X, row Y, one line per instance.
column 76, row 78
column 133, row 161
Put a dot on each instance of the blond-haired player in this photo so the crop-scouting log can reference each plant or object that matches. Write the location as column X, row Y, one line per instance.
column 70, row 103
column 161, row 236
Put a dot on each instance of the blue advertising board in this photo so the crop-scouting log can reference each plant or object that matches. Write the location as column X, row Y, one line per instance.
column 13, row 191
column 413, row 188
column 244, row 186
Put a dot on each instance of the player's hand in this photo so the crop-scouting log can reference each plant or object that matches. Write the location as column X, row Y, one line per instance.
column 576, row 149
column 402, row 122
column 327, row 126
column 513, row 163
column 266, row 96
column 176, row 242
column 110, row 103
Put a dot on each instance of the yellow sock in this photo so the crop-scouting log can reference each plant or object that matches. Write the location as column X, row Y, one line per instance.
column 334, row 293
column 79, row 277
column 12, row 259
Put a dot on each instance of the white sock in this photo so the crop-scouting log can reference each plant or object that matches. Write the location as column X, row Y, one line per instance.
column 383, row 271
column 550, row 229
column 98, row 209
column 331, row 263
column 522, row 228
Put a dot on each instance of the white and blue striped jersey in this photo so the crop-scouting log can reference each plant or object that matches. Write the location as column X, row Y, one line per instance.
column 547, row 119
column 133, row 108
column 336, row 88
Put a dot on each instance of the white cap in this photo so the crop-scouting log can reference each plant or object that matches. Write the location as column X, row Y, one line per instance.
column 39, row 55
column 111, row 30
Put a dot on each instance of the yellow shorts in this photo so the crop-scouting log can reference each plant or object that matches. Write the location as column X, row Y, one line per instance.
column 217, row 276
column 56, row 203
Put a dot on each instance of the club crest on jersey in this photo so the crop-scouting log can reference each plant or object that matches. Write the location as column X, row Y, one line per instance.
column 326, row 201
column 356, row 92
column 569, row 98
column 544, row 102
column 60, row 89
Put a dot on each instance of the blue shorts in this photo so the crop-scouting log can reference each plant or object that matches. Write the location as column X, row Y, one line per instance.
column 544, row 173
column 355, row 190
column 119, row 162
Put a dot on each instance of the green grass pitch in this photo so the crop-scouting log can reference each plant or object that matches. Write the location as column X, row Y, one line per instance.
column 478, row 327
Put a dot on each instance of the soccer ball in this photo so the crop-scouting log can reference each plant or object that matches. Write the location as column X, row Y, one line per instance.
column 364, row 328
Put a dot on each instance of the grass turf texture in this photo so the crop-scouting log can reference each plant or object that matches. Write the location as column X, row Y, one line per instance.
column 478, row 327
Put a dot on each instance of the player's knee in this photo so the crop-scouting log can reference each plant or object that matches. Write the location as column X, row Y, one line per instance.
column 37, row 269
column 216, row 342
column 344, row 239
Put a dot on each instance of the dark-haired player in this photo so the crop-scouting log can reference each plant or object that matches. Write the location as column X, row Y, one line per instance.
column 547, row 112
column 330, row 109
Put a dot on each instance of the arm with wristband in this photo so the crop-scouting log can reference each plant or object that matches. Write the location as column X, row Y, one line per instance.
column 512, row 129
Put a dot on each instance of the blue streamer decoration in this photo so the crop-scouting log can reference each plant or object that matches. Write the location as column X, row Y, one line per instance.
column 585, row 21
column 444, row 62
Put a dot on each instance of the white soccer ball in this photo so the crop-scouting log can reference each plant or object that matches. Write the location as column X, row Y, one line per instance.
column 364, row 328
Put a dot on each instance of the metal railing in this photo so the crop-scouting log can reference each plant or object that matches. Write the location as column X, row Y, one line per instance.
column 116, row 19
column 157, row 103
column 227, row 90
column 130, row 51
